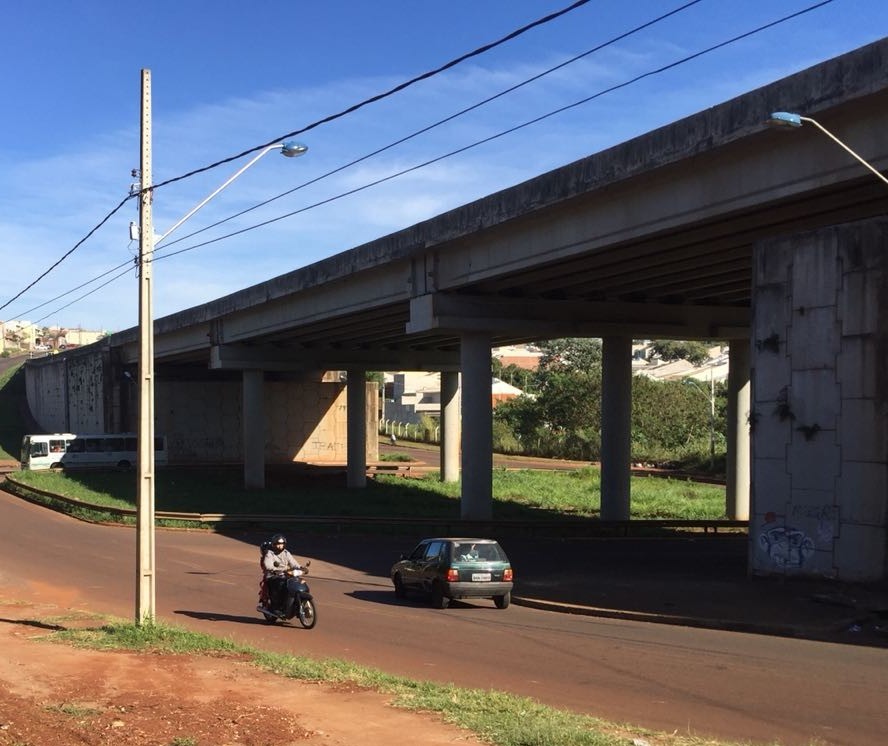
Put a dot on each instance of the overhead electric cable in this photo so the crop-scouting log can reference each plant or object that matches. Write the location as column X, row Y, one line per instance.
column 78, row 287
column 509, row 131
column 85, row 295
column 379, row 96
column 440, row 122
column 69, row 252
column 431, row 73
column 528, row 123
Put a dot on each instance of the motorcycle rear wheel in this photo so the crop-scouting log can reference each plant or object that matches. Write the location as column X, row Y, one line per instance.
column 307, row 613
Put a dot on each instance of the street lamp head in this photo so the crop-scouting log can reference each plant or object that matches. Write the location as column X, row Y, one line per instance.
column 293, row 149
column 785, row 119
column 789, row 119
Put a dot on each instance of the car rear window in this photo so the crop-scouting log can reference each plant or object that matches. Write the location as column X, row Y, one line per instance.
column 469, row 552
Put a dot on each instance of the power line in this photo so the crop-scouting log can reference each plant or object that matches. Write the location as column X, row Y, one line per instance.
column 509, row 131
column 473, row 145
column 440, row 122
column 69, row 252
column 85, row 295
column 127, row 263
column 378, row 97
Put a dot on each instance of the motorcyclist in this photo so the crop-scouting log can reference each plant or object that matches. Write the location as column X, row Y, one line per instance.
column 279, row 567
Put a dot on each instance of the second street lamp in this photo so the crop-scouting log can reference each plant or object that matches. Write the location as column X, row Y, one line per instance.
column 146, row 574
column 790, row 119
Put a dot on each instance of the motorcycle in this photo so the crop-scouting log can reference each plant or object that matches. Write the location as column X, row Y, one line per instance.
column 300, row 603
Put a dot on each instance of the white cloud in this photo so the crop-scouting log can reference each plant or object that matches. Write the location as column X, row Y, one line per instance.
column 50, row 198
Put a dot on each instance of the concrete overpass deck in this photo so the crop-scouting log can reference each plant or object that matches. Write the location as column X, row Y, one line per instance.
column 713, row 227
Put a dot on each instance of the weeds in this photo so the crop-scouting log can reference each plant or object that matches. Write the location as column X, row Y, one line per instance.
column 496, row 717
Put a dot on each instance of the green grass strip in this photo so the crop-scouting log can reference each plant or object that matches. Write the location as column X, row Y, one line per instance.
column 519, row 495
column 496, row 717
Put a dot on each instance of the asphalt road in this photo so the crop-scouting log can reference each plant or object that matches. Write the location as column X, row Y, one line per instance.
column 708, row 682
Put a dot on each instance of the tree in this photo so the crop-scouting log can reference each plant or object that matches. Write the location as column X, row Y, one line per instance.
column 522, row 415
column 571, row 400
column 570, row 353
column 694, row 352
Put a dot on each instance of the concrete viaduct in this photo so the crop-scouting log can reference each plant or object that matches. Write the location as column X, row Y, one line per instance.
column 713, row 227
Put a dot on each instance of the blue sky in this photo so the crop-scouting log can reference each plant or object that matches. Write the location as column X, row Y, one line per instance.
column 229, row 75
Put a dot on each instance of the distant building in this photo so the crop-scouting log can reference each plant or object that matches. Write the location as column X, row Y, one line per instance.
column 410, row 395
column 77, row 337
column 714, row 369
column 26, row 335
column 521, row 356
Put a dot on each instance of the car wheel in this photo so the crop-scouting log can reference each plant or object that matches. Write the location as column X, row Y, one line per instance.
column 502, row 602
column 439, row 600
column 399, row 587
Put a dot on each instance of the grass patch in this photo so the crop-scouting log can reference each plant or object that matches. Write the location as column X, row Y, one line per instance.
column 496, row 717
column 520, row 495
column 74, row 710
column 401, row 457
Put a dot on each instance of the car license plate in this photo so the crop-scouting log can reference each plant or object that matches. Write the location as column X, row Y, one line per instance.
column 480, row 577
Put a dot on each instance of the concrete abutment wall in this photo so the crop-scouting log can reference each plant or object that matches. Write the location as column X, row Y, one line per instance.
column 820, row 404
column 305, row 420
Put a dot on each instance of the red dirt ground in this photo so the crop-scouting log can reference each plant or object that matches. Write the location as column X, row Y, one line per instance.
column 57, row 695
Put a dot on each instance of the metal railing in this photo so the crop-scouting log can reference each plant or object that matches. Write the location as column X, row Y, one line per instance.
column 574, row 528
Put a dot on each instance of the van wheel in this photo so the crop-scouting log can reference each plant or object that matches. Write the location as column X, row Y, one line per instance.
column 56, row 465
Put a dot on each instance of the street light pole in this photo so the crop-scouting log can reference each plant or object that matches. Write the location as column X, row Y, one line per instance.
column 146, row 575
column 145, row 612
column 790, row 119
column 711, row 397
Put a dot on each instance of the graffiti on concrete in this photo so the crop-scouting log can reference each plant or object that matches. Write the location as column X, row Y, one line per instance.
column 786, row 547
column 826, row 516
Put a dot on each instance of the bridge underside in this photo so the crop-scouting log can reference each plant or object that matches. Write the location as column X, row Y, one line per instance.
column 668, row 235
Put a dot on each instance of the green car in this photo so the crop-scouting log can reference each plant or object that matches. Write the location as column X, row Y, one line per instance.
column 448, row 568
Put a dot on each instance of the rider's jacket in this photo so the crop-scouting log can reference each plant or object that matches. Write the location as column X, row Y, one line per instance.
column 277, row 563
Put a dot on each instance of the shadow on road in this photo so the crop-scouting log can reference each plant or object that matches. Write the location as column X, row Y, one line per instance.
column 34, row 623
column 388, row 598
column 209, row 616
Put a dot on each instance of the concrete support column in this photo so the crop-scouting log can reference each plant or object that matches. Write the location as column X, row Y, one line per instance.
column 819, row 498
column 477, row 431
column 450, row 427
column 738, row 463
column 254, row 429
column 356, row 428
column 616, row 427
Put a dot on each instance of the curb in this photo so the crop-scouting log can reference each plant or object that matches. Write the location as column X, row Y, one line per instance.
column 729, row 625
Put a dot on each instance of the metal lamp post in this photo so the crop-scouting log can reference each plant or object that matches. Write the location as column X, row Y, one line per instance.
column 711, row 396
column 146, row 570
column 790, row 119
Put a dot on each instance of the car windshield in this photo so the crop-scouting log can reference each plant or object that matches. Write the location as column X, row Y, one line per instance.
column 474, row 552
